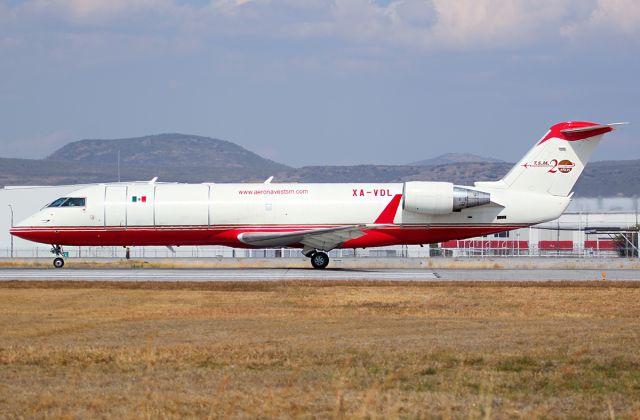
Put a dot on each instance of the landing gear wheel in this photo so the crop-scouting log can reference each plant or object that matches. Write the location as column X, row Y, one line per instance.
column 58, row 262
column 319, row 260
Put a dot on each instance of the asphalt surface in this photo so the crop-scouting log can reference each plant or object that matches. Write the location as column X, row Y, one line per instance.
column 271, row 274
column 539, row 275
column 276, row 274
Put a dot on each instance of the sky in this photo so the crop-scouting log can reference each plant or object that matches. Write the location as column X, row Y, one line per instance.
column 320, row 82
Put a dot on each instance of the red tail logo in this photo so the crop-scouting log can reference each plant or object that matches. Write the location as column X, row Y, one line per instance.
column 389, row 212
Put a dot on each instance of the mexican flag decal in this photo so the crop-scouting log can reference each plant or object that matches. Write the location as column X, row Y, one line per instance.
column 139, row 199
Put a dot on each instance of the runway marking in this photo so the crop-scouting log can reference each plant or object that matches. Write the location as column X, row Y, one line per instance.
column 214, row 274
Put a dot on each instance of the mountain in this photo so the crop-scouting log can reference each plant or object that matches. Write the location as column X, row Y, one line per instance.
column 174, row 150
column 453, row 158
column 462, row 173
column 43, row 172
column 184, row 158
column 610, row 178
column 356, row 173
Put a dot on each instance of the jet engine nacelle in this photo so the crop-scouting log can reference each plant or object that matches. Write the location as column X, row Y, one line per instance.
column 440, row 197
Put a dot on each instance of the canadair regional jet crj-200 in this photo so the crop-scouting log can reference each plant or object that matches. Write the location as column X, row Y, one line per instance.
column 320, row 217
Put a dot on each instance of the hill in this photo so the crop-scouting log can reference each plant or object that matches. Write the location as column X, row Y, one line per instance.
column 184, row 158
column 610, row 178
column 175, row 150
column 454, row 158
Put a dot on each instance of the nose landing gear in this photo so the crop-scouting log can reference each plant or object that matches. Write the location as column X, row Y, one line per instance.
column 319, row 259
column 58, row 262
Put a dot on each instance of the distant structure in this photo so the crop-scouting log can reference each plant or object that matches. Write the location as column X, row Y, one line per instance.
column 589, row 227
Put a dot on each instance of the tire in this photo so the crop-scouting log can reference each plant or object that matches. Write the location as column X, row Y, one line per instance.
column 58, row 262
column 319, row 260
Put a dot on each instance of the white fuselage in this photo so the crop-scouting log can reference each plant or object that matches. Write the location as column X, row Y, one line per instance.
column 154, row 214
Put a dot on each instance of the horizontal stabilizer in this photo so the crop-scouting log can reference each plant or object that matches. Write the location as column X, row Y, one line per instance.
column 594, row 128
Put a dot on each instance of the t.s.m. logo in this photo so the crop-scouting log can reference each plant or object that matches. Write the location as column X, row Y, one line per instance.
column 565, row 166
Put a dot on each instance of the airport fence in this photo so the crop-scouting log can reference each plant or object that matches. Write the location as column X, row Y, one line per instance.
column 470, row 251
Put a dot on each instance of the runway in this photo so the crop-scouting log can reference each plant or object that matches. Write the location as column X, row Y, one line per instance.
column 238, row 274
column 214, row 274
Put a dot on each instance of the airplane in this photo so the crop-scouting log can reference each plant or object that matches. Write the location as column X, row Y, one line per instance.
column 320, row 217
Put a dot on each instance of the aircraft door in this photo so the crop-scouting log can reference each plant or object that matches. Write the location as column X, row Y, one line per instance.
column 115, row 211
column 140, row 204
column 181, row 204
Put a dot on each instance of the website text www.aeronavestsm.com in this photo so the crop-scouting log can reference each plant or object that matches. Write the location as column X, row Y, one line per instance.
column 273, row 192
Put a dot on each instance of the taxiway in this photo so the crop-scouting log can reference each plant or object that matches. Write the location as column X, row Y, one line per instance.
column 316, row 275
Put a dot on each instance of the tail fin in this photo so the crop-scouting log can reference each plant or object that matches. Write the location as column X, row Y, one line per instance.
column 554, row 164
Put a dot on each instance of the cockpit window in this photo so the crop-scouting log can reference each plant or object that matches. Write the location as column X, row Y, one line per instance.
column 58, row 202
column 75, row 202
column 69, row 202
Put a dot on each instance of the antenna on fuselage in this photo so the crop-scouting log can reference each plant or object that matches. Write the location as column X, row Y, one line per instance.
column 268, row 181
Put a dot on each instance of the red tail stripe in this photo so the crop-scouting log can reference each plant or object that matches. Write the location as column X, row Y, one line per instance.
column 389, row 212
column 556, row 131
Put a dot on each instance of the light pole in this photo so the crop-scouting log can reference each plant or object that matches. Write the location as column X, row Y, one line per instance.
column 11, row 208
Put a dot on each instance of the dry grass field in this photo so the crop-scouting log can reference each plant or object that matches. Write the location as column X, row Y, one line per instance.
column 316, row 349
column 496, row 263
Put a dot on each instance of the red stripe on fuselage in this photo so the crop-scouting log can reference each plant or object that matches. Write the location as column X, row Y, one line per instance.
column 389, row 212
column 228, row 236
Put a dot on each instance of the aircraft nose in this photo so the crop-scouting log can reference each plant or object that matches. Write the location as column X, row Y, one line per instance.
column 20, row 232
column 31, row 229
column 34, row 234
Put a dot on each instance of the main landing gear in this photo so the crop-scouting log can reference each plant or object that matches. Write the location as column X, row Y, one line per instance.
column 319, row 259
column 58, row 262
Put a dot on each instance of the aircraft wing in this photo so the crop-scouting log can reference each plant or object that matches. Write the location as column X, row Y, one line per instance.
column 324, row 239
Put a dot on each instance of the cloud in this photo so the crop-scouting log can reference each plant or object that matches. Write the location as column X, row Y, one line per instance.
column 617, row 15
column 493, row 22
column 474, row 24
column 91, row 11
column 424, row 25
column 461, row 24
column 233, row 6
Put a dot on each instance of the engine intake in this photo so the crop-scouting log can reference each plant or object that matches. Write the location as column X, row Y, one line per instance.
column 440, row 197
